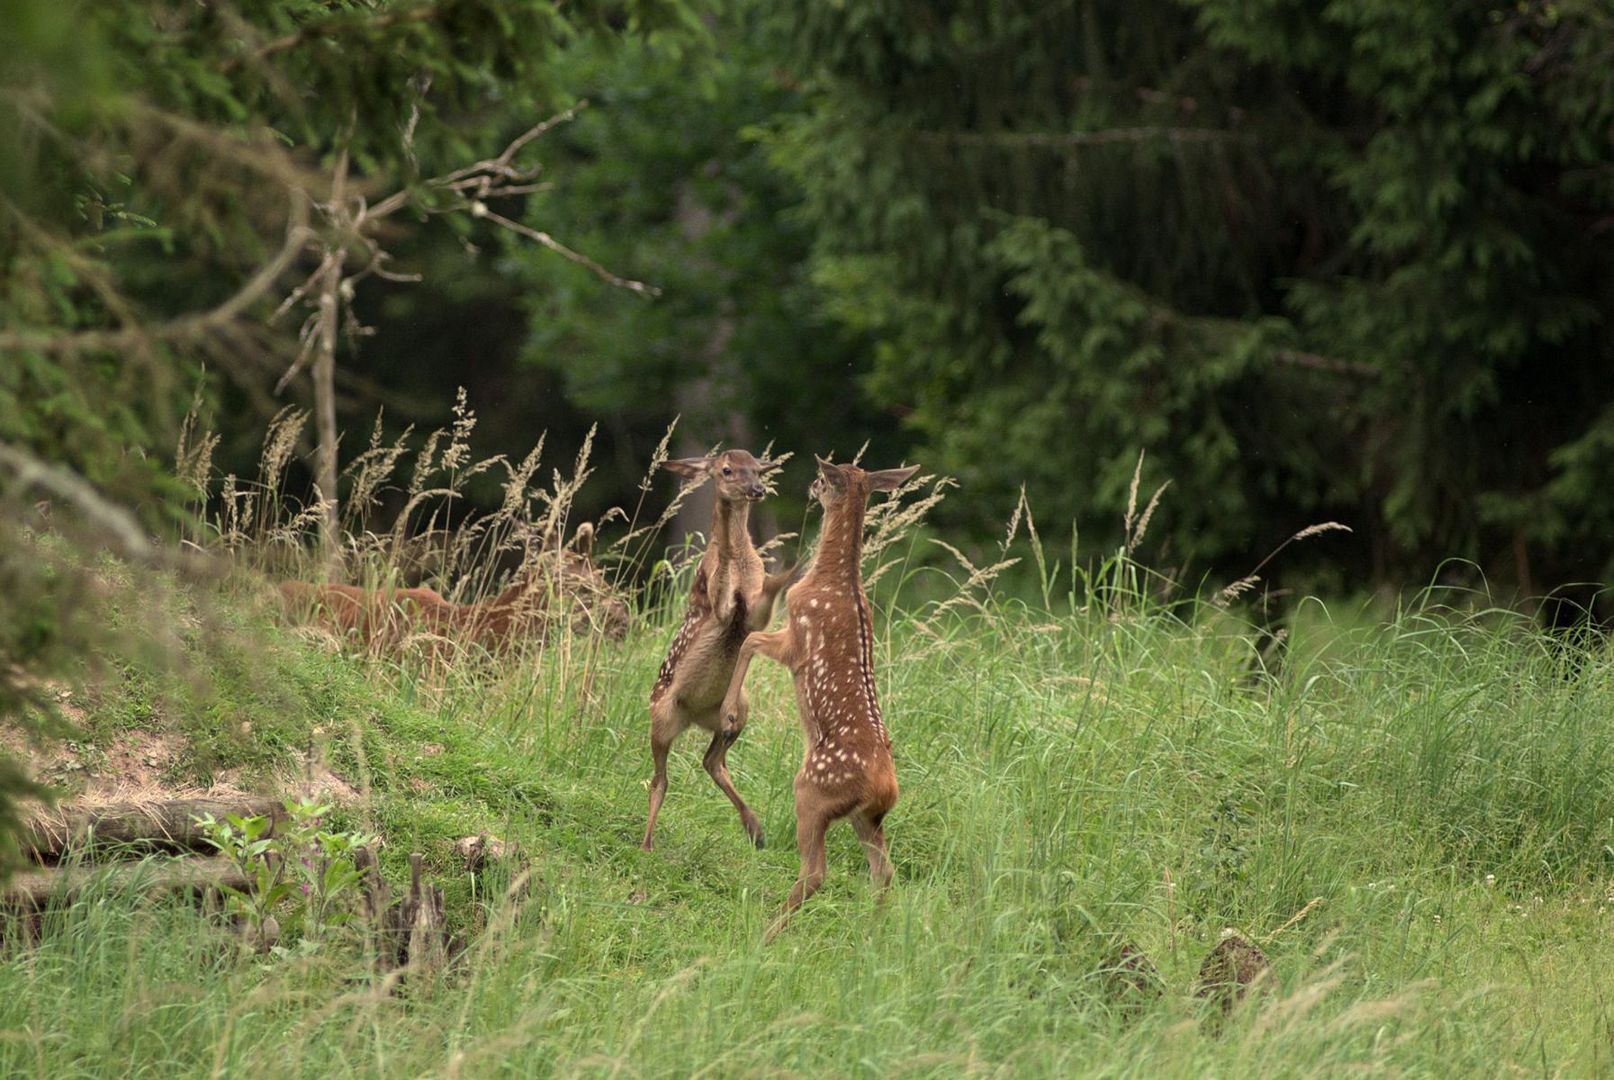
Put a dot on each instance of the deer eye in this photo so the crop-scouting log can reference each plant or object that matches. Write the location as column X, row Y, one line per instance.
column 727, row 471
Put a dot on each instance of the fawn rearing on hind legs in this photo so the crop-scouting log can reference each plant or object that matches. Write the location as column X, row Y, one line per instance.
column 827, row 642
column 732, row 596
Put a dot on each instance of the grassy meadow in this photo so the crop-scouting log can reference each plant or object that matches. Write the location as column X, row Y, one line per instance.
column 1411, row 813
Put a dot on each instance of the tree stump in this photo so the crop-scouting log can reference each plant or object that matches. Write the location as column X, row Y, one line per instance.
column 1131, row 981
column 412, row 932
column 1231, row 972
column 428, row 931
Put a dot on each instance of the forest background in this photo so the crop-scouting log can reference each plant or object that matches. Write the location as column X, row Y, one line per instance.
column 1317, row 262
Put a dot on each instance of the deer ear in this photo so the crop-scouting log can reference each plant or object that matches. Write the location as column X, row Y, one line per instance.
column 890, row 479
column 830, row 473
column 583, row 540
column 692, row 468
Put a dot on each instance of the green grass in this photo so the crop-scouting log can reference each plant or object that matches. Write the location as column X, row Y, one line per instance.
column 1439, row 784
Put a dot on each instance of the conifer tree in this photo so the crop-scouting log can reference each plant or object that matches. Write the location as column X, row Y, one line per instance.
column 1319, row 261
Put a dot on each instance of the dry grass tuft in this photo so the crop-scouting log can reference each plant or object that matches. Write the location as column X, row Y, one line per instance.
column 404, row 522
column 1243, row 585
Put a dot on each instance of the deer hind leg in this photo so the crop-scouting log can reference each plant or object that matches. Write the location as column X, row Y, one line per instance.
column 665, row 726
column 871, row 834
column 716, row 762
column 812, row 822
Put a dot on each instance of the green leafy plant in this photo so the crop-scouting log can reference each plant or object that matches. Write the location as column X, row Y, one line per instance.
column 248, row 844
column 300, row 865
column 322, row 866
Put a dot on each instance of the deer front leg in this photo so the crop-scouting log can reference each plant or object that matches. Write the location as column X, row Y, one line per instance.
column 773, row 585
column 776, row 646
column 872, row 836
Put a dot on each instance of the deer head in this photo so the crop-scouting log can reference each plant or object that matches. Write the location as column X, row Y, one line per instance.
column 837, row 482
column 736, row 474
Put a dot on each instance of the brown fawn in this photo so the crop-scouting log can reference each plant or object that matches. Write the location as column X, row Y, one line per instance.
column 827, row 642
column 732, row 596
column 553, row 577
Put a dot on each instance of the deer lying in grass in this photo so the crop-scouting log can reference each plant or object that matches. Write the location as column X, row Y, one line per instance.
column 732, row 596
column 827, row 642
column 385, row 618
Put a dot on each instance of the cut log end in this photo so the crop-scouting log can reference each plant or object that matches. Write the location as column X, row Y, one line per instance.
column 480, row 851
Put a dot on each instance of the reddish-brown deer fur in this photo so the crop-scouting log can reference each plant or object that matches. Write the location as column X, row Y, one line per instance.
column 827, row 642
column 372, row 617
column 551, row 579
column 732, row 596
column 386, row 617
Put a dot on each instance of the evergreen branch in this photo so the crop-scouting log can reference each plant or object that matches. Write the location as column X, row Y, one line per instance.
column 1073, row 139
column 185, row 326
column 91, row 272
column 330, row 28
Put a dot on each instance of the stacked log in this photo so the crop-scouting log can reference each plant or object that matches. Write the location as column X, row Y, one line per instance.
column 410, row 932
column 34, row 890
column 135, row 828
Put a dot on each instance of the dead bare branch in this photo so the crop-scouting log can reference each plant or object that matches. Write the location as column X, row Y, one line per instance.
column 112, row 519
column 478, row 180
column 1328, row 364
column 644, row 290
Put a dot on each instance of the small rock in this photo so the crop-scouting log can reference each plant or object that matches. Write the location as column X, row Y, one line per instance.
column 260, row 939
column 479, row 850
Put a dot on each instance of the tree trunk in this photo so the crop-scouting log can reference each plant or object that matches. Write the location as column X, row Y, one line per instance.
column 698, row 397
column 324, row 374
